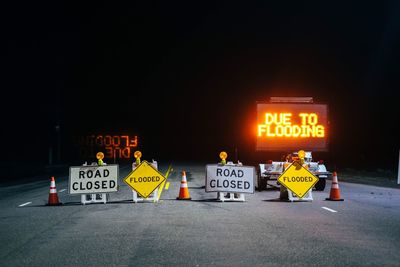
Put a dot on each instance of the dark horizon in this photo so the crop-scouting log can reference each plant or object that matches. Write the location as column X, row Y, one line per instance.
column 185, row 77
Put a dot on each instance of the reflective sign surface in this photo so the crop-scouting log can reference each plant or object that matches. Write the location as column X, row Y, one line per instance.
column 144, row 179
column 298, row 179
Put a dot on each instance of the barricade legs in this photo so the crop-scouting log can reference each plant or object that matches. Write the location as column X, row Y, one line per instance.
column 288, row 195
column 138, row 198
column 230, row 197
column 94, row 198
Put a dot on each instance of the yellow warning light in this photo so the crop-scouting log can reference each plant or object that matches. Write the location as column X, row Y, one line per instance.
column 302, row 154
column 100, row 155
column 223, row 155
column 137, row 154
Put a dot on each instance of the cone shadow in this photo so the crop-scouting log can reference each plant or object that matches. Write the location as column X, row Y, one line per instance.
column 196, row 187
column 282, row 200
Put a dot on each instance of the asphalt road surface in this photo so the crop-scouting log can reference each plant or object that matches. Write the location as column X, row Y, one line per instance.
column 363, row 230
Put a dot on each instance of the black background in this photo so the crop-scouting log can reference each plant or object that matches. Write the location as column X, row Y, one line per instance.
column 185, row 76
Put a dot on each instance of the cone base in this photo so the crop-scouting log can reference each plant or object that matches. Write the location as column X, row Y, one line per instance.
column 57, row 204
column 189, row 198
column 334, row 199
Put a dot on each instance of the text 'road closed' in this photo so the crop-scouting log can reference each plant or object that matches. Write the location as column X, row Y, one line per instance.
column 230, row 178
column 93, row 179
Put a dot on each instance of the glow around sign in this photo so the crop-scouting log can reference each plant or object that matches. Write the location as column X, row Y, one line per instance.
column 283, row 126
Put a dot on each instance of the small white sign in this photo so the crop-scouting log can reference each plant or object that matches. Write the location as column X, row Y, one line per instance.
column 93, row 179
column 230, row 178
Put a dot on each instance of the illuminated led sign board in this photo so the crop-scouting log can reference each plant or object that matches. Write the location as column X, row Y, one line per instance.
column 292, row 126
column 112, row 145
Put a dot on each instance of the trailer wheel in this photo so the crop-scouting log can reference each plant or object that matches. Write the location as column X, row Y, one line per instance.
column 320, row 185
column 262, row 184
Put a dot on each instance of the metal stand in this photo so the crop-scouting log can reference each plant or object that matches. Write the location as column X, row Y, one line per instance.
column 94, row 198
column 152, row 198
column 286, row 194
column 230, row 197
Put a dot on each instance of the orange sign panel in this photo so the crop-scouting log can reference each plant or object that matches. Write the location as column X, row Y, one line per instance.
column 290, row 126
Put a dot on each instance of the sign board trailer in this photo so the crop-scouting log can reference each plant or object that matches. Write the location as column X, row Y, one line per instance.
column 93, row 179
column 289, row 124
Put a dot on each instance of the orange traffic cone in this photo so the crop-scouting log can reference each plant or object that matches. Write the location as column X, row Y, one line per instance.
column 184, row 191
column 335, row 191
column 53, row 197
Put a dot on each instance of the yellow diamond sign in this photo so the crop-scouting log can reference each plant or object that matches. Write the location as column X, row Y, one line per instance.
column 144, row 179
column 298, row 179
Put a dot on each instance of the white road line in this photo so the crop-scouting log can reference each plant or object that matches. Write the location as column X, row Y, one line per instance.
column 331, row 210
column 62, row 190
column 27, row 203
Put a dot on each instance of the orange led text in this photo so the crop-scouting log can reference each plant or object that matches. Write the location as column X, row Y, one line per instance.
column 281, row 125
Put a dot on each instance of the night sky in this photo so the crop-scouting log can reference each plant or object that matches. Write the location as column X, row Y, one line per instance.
column 185, row 76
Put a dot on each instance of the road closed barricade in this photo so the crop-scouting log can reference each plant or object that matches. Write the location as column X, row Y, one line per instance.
column 230, row 178
column 93, row 180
